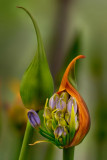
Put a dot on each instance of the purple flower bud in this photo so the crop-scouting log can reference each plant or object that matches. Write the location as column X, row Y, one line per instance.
column 33, row 118
column 53, row 100
column 62, row 122
column 59, row 114
column 65, row 96
column 60, row 131
column 71, row 102
column 61, row 104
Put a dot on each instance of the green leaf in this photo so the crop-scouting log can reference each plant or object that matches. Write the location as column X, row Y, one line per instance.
column 37, row 82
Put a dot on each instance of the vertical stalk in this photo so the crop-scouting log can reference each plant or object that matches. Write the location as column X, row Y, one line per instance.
column 57, row 49
column 26, row 141
column 68, row 153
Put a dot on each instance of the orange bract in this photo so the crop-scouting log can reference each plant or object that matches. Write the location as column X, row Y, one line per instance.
column 83, row 114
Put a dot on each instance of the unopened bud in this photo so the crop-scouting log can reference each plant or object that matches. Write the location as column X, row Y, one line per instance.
column 65, row 96
column 58, row 131
column 53, row 100
column 71, row 102
column 61, row 104
column 59, row 114
column 62, row 122
column 33, row 118
column 37, row 82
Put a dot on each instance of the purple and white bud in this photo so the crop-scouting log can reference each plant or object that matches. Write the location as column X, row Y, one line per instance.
column 53, row 100
column 62, row 122
column 59, row 114
column 33, row 118
column 71, row 102
column 65, row 96
column 60, row 131
column 61, row 104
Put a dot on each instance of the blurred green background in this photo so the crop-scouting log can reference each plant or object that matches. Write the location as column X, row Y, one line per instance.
column 68, row 28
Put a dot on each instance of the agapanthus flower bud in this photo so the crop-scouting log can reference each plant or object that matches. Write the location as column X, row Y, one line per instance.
column 71, row 102
column 53, row 100
column 65, row 96
column 70, row 117
column 59, row 122
column 33, row 118
column 60, row 131
column 37, row 82
column 59, row 114
column 61, row 104
column 62, row 122
column 68, row 85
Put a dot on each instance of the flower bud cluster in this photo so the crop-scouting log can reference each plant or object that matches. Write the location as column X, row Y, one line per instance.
column 61, row 118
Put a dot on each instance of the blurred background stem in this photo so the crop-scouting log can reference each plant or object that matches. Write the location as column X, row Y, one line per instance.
column 57, row 49
column 68, row 153
column 26, row 141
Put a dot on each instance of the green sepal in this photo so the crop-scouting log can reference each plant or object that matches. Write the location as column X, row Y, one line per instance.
column 37, row 82
column 72, row 124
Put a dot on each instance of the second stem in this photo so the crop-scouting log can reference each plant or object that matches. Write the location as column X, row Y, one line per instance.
column 27, row 139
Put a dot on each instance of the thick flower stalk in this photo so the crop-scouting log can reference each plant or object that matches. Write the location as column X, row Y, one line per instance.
column 66, row 117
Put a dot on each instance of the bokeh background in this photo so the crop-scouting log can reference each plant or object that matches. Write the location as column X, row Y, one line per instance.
column 68, row 28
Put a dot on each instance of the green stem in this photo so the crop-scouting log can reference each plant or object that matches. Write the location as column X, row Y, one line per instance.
column 68, row 153
column 26, row 141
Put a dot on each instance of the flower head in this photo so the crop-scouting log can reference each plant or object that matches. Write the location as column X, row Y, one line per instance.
column 60, row 122
column 66, row 117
